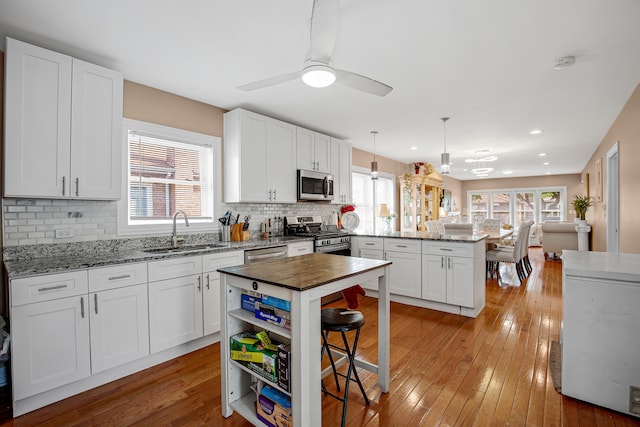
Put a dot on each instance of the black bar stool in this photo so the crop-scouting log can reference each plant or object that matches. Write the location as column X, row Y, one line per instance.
column 342, row 320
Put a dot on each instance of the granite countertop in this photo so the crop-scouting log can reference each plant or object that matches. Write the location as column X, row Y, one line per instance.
column 425, row 236
column 305, row 271
column 103, row 254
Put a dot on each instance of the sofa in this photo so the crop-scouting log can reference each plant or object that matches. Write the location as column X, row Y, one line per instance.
column 557, row 236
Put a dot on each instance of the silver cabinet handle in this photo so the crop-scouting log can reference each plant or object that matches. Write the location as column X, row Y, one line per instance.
column 95, row 300
column 208, row 281
column 77, row 186
column 446, row 249
column 275, row 195
column 51, row 288
column 369, row 244
column 82, row 307
column 441, row 262
column 269, row 194
column 63, row 185
column 449, row 262
column 401, row 246
column 199, row 283
column 123, row 276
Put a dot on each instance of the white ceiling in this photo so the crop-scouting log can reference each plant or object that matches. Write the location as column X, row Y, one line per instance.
column 486, row 64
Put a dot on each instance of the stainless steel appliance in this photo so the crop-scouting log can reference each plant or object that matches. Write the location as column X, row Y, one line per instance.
column 314, row 185
column 327, row 239
column 262, row 254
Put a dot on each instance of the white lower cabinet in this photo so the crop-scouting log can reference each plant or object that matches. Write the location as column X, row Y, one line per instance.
column 300, row 248
column 371, row 248
column 405, row 271
column 448, row 273
column 211, row 295
column 49, row 338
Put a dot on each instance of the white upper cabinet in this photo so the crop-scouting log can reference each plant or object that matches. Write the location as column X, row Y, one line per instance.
column 62, row 124
column 341, row 171
column 313, row 151
column 259, row 158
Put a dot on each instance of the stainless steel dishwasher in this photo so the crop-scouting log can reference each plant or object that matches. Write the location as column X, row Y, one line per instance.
column 263, row 254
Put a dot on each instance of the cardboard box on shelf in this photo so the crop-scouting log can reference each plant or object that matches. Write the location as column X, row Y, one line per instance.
column 274, row 408
column 283, row 367
column 256, row 352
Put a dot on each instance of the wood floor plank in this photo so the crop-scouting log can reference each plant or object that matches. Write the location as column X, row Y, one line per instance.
column 446, row 370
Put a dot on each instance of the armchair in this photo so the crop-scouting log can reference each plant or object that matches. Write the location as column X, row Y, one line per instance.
column 557, row 236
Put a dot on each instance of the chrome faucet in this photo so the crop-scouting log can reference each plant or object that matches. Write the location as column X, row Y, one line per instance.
column 174, row 236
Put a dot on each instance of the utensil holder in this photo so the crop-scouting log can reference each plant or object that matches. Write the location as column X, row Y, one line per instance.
column 237, row 234
column 225, row 233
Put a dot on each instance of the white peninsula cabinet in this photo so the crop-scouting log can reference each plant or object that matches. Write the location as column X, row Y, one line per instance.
column 63, row 126
column 341, row 171
column 259, row 158
column 370, row 248
column 404, row 272
column 313, row 151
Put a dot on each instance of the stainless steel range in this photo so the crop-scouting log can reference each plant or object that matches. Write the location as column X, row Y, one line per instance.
column 326, row 240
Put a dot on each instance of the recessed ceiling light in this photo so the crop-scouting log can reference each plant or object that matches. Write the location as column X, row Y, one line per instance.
column 542, row 154
column 535, row 132
column 548, row 173
column 507, row 172
column 413, row 148
column 545, row 163
column 564, row 63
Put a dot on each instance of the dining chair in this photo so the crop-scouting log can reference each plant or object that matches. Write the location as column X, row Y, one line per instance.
column 458, row 229
column 514, row 254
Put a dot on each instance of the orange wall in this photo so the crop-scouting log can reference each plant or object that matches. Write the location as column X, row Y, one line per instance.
column 626, row 130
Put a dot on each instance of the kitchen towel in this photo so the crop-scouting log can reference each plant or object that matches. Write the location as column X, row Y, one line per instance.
column 350, row 295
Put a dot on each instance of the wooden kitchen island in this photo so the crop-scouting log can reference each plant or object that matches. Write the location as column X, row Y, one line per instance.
column 302, row 280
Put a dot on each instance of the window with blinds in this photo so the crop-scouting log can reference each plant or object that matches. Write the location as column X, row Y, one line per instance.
column 166, row 176
column 166, row 170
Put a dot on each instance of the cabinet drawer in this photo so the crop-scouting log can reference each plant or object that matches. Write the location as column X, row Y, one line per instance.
column 450, row 249
column 402, row 245
column 49, row 287
column 119, row 276
column 299, row 248
column 370, row 243
column 175, row 267
column 212, row 262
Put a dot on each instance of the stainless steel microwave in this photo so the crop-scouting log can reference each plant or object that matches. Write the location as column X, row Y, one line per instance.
column 314, row 185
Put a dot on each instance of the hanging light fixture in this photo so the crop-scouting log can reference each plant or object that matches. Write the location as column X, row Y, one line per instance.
column 374, row 164
column 444, row 157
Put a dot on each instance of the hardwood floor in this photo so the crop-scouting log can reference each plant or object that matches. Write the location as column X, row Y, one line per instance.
column 445, row 370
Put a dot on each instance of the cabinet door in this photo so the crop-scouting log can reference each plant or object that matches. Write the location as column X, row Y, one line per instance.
column 96, row 132
column 434, row 278
column 37, row 121
column 341, row 171
column 49, row 345
column 460, row 281
column 280, row 160
column 405, row 273
column 322, row 152
column 305, row 156
column 370, row 254
column 119, row 326
column 175, row 312
column 253, row 158
column 211, row 293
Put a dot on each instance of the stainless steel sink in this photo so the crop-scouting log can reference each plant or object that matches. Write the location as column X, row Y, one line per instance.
column 186, row 248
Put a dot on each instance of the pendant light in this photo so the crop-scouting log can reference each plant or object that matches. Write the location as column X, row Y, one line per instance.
column 374, row 164
column 444, row 157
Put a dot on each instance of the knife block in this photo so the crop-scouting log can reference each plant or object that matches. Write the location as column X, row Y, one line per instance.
column 237, row 234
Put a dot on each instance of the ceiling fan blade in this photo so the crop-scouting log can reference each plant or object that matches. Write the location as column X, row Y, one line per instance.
column 362, row 83
column 325, row 17
column 271, row 81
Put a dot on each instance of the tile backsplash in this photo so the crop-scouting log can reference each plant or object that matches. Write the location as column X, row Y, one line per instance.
column 35, row 221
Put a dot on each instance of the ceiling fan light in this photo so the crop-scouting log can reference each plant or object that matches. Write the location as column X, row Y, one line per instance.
column 318, row 76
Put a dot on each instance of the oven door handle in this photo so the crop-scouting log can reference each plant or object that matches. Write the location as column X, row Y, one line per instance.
column 333, row 248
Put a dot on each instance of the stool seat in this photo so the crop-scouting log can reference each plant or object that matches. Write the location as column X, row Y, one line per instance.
column 341, row 319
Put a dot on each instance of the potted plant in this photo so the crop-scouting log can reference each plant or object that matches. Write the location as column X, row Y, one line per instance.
column 580, row 204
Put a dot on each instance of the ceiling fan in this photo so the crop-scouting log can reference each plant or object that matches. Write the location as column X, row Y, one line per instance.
column 318, row 69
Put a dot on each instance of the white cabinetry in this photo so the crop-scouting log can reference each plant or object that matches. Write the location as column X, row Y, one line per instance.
column 313, row 151
column 341, row 171
column 63, row 126
column 175, row 302
column 371, row 248
column 211, row 294
column 118, row 311
column 300, row 248
column 450, row 273
column 404, row 272
column 49, row 331
column 259, row 158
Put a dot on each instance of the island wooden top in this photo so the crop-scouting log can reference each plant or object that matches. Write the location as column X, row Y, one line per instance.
column 305, row 271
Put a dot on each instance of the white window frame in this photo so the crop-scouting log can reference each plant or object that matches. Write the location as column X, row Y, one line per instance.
column 165, row 225
column 391, row 204
column 537, row 193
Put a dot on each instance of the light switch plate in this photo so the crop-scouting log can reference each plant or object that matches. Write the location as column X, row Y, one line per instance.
column 634, row 400
column 64, row 233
